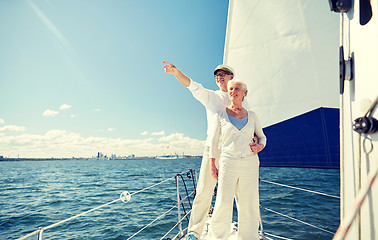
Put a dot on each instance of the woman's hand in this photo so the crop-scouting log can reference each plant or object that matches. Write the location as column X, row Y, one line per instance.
column 256, row 148
column 213, row 168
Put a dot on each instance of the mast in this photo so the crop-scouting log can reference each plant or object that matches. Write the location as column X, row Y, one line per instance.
column 358, row 110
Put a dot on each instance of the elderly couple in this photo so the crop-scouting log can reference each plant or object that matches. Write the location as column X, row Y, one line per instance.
column 230, row 157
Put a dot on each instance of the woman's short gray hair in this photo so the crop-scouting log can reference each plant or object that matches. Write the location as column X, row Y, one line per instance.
column 236, row 80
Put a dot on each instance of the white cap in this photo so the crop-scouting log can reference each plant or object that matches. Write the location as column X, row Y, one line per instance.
column 224, row 68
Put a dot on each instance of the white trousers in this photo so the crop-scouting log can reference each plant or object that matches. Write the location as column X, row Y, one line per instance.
column 245, row 173
column 204, row 194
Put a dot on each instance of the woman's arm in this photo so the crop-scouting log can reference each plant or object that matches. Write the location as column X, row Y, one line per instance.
column 257, row 147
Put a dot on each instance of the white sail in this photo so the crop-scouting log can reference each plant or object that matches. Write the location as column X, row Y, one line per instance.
column 287, row 53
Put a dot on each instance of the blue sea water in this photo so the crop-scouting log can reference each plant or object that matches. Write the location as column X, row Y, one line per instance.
column 39, row 193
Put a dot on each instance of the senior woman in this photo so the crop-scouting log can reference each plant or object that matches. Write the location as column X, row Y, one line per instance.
column 238, row 165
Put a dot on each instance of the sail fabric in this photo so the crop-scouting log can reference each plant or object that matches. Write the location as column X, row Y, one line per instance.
column 310, row 140
column 287, row 53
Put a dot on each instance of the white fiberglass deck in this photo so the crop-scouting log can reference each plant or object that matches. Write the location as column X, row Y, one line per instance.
column 233, row 233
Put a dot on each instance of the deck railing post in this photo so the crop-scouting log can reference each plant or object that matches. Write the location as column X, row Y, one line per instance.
column 40, row 233
column 178, row 206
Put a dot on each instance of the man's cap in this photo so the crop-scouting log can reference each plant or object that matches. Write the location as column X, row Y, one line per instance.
column 224, row 68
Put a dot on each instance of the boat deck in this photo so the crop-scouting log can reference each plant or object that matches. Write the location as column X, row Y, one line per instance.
column 233, row 233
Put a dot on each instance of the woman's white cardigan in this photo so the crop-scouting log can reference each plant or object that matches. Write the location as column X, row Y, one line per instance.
column 234, row 142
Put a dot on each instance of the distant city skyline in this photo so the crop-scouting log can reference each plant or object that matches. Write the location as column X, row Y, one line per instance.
column 79, row 77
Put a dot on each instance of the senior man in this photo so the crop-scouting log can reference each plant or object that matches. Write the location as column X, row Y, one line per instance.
column 214, row 101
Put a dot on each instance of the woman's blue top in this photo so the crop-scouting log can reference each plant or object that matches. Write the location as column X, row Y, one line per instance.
column 238, row 123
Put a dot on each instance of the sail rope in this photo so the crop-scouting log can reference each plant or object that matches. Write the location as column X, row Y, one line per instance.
column 162, row 215
column 346, row 223
column 144, row 189
column 186, row 191
column 283, row 215
column 353, row 215
column 176, row 224
column 189, row 175
column 149, row 224
column 272, row 235
column 91, row 210
column 302, row 189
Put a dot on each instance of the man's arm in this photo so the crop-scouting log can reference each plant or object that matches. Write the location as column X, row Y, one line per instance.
column 205, row 96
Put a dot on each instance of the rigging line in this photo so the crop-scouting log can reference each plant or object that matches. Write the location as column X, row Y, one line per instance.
column 183, row 206
column 151, row 186
column 162, row 215
column 153, row 221
column 176, row 224
column 283, row 185
column 371, row 109
column 359, row 162
column 91, row 210
column 298, row 220
column 80, row 214
column 155, row 184
column 186, row 189
column 164, row 212
column 244, row 25
column 325, row 135
column 272, row 235
column 29, row 235
column 194, row 182
column 68, row 219
column 347, row 221
column 312, row 61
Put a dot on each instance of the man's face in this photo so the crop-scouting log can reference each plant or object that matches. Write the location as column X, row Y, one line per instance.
column 222, row 77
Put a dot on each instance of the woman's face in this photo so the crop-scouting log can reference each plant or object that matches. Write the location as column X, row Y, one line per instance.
column 236, row 91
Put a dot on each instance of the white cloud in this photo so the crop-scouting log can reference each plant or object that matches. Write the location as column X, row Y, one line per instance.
column 74, row 115
column 65, row 106
column 178, row 140
column 61, row 143
column 96, row 110
column 2, row 121
column 111, row 129
column 50, row 113
column 144, row 133
column 12, row 128
column 158, row 133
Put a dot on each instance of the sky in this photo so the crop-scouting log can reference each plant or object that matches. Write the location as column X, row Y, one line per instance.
column 81, row 77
